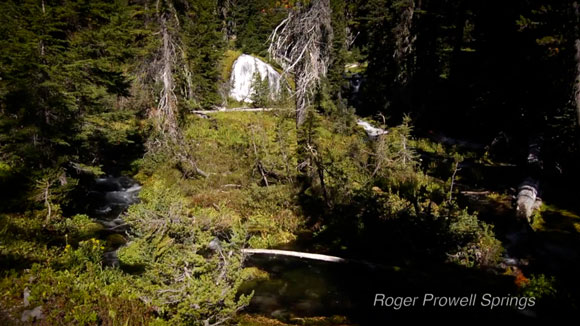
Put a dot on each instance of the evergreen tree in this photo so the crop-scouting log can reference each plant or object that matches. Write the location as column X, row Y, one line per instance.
column 203, row 40
column 61, row 77
column 338, row 53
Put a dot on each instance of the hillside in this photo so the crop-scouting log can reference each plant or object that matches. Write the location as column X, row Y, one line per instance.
column 202, row 162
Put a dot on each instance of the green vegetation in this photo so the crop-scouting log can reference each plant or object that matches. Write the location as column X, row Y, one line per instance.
column 92, row 91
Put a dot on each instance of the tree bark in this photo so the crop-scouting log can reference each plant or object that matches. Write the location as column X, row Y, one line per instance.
column 167, row 102
column 577, row 82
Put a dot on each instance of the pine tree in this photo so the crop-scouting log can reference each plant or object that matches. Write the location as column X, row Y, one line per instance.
column 338, row 53
column 61, row 77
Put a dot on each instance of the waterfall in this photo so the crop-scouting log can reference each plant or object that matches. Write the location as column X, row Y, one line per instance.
column 371, row 131
column 242, row 76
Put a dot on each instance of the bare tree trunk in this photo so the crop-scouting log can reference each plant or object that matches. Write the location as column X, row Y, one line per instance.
column 168, row 101
column 302, row 44
column 167, row 63
column 576, row 7
column 453, row 180
column 41, row 41
column 577, row 82
column 46, row 195
column 302, row 100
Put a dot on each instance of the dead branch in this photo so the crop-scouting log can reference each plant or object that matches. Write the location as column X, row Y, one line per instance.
column 259, row 162
column 301, row 44
column 46, row 195
column 453, row 180
column 320, row 171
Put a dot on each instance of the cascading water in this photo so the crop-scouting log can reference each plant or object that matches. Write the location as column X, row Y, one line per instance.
column 242, row 78
column 109, row 198
column 372, row 132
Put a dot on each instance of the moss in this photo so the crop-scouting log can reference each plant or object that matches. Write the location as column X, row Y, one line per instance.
column 115, row 240
column 555, row 219
column 356, row 68
column 227, row 63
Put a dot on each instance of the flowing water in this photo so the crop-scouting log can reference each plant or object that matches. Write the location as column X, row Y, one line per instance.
column 242, row 77
column 296, row 287
column 109, row 198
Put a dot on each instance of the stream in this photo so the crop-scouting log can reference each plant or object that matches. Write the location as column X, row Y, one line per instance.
column 108, row 199
column 296, row 288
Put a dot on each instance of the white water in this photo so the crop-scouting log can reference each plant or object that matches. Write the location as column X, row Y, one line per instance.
column 108, row 199
column 372, row 132
column 243, row 75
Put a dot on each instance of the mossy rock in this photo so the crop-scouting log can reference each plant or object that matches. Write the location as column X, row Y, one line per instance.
column 90, row 230
column 115, row 240
column 133, row 254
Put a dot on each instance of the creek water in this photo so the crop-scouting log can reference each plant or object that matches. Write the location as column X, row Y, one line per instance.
column 298, row 288
column 109, row 198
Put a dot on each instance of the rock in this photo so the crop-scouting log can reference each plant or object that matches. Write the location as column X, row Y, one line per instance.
column 31, row 315
column 527, row 200
column 26, row 295
column 118, row 197
column 115, row 240
column 108, row 184
column 110, row 258
column 214, row 244
column 281, row 314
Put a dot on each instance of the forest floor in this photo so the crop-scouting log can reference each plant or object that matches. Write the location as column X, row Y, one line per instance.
column 250, row 157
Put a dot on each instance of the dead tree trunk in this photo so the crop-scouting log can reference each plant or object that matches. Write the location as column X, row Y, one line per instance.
column 302, row 45
column 577, row 82
column 167, row 101
column 170, row 61
column 577, row 46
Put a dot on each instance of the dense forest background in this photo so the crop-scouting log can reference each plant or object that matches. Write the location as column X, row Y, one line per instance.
column 480, row 101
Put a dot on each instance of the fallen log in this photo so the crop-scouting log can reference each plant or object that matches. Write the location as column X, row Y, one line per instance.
column 221, row 109
column 298, row 254
column 475, row 193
